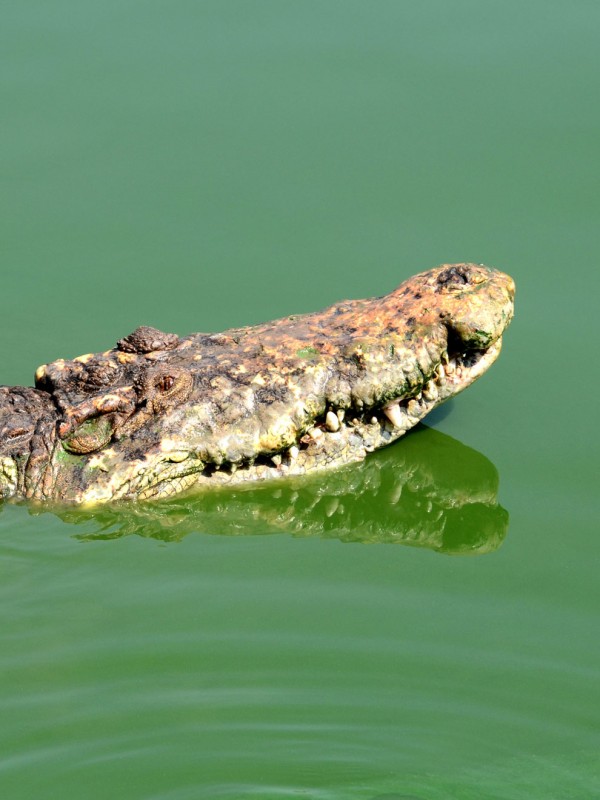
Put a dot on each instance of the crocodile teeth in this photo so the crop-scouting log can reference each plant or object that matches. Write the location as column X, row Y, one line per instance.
column 413, row 408
column 430, row 391
column 276, row 459
column 332, row 422
column 293, row 451
column 393, row 413
column 315, row 433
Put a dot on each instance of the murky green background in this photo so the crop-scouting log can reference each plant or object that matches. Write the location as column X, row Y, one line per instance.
column 198, row 165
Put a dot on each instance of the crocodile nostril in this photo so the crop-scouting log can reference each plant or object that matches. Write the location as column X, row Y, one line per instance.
column 454, row 277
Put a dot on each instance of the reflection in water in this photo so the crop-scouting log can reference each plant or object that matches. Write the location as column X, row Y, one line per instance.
column 427, row 491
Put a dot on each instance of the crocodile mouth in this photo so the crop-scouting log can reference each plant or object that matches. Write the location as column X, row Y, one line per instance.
column 336, row 438
column 457, row 369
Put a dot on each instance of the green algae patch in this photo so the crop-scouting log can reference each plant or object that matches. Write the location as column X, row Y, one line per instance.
column 68, row 459
column 307, row 352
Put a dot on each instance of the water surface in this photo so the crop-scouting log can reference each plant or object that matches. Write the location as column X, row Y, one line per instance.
column 420, row 626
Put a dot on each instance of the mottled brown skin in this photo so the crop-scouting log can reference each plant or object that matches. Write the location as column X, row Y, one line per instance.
column 159, row 414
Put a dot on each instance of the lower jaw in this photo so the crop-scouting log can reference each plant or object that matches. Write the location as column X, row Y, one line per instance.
column 169, row 487
column 321, row 448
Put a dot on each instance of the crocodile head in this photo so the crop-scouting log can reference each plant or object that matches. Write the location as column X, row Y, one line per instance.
column 160, row 414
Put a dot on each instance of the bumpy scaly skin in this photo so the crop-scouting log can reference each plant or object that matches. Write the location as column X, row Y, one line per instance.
column 159, row 414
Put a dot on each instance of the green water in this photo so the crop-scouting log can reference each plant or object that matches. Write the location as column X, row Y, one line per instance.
column 423, row 626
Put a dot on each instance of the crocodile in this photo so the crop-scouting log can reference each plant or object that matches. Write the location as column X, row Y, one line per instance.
column 161, row 414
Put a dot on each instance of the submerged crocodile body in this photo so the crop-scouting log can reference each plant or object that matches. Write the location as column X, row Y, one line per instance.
column 160, row 414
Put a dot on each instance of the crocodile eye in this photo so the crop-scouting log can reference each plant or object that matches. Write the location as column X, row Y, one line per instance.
column 167, row 389
column 165, row 383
